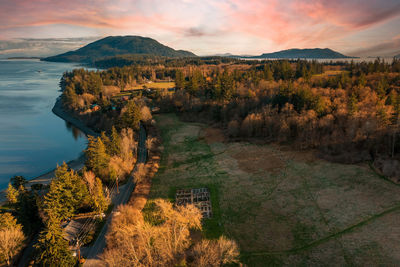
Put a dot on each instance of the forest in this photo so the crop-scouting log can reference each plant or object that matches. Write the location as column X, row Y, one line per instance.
column 343, row 112
column 349, row 112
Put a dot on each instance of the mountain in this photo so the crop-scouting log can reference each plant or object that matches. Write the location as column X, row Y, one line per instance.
column 304, row 53
column 119, row 45
column 220, row 55
column 398, row 56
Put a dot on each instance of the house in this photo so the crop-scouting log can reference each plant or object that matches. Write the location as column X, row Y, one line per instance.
column 95, row 107
column 155, row 109
column 71, row 230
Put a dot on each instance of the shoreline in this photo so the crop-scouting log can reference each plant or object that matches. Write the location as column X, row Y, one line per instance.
column 60, row 112
column 75, row 164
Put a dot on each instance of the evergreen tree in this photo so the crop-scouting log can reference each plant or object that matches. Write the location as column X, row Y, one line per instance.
column 12, row 194
column 106, row 140
column 353, row 104
column 27, row 211
column 131, row 116
column 52, row 248
column 18, row 181
column 8, row 221
column 179, row 80
column 96, row 155
column 98, row 198
column 67, row 193
column 362, row 80
column 268, row 75
column 115, row 144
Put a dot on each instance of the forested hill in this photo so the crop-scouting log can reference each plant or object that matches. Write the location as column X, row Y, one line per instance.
column 304, row 53
column 119, row 45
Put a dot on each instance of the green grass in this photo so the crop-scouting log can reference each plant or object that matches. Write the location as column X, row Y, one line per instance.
column 302, row 215
column 199, row 155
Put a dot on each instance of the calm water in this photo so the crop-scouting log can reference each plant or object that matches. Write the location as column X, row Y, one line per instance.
column 32, row 139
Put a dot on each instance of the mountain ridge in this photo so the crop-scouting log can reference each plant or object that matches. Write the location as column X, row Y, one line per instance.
column 118, row 45
column 294, row 53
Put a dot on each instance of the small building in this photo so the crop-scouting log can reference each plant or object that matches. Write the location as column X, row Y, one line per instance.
column 71, row 230
column 200, row 197
column 95, row 107
column 155, row 109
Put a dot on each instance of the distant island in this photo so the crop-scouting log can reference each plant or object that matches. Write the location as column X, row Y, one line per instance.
column 118, row 45
column 24, row 58
column 311, row 53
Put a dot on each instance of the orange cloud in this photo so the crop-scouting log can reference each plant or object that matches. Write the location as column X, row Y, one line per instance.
column 284, row 23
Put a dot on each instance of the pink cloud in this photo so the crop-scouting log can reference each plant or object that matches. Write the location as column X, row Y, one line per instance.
column 306, row 22
column 290, row 23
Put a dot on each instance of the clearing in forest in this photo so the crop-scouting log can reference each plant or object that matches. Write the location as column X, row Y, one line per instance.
column 283, row 207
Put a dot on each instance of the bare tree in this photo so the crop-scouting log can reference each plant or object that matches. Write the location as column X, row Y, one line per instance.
column 11, row 243
column 215, row 252
column 134, row 241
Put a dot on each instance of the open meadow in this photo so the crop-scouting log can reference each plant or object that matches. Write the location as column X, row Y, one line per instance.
column 283, row 207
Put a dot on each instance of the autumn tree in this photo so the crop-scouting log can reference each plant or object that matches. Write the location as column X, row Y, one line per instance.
column 210, row 253
column 136, row 241
column 11, row 237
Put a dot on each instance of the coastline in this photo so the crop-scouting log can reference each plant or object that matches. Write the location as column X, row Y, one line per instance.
column 75, row 164
column 60, row 112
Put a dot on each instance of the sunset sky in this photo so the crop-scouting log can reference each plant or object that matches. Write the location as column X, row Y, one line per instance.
column 353, row 27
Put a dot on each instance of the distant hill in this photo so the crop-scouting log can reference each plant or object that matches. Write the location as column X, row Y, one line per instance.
column 24, row 58
column 119, row 45
column 313, row 53
column 398, row 56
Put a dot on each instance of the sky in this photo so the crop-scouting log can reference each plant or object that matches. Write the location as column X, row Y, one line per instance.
column 205, row 27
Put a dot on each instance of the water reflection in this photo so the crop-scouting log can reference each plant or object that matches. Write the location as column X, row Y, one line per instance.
column 76, row 133
column 33, row 140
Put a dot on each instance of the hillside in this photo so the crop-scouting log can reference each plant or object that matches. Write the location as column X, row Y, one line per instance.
column 304, row 53
column 119, row 45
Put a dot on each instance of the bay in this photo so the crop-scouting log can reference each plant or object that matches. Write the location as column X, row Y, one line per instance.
column 33, row 140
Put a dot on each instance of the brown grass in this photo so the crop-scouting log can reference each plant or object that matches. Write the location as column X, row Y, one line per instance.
column 256, row 160
column 213, row 135
column 274, row 200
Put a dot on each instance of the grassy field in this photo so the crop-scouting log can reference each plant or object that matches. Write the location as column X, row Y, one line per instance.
column 282, row 207
column 154, row 85
column 329, row 73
